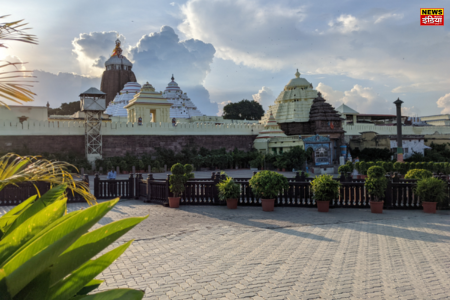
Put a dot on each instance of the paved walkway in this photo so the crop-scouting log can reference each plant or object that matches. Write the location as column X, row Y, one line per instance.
column 201, row 252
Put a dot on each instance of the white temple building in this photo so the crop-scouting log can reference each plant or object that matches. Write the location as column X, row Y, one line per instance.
column 116, row 108
column 182, row 106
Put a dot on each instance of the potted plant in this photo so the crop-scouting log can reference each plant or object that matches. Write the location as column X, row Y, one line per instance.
column 177, row 181
column 376, row 185
column 229, row 191
column 267, row 185
column 325, row 189
column 433, row 190
column 363, row 170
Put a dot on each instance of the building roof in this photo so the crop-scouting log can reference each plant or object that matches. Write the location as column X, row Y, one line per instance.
column 346, row 110
column 117, row 58
column 297, row 82
column 323, row 111
column 92, row 92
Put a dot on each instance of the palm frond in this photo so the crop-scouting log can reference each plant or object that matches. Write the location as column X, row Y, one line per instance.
column 15, row 31
column 15, row 169
column 15, row 90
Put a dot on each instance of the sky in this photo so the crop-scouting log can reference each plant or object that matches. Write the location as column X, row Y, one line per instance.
column 365, row 54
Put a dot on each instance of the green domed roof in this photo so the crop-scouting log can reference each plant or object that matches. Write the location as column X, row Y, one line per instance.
column 297, row 82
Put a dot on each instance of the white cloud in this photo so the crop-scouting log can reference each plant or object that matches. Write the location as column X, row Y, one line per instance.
column 90, row 47
column 410, row 111
column 60, row 88
column 368, row 44
column 444, row 102
column 429, row 86
column 265, row 97
column 362, row 99
column 221, row 106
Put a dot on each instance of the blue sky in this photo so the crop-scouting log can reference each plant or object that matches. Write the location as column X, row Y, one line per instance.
column 364, row 54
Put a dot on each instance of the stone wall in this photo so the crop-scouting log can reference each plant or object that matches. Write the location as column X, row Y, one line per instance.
column 118, row 145
column 113, row 81
column 39, row 144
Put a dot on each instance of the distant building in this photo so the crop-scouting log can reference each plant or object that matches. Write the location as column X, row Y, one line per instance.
column 437, row 120
column 117, row 73
column 182, row 106
column 116, row 108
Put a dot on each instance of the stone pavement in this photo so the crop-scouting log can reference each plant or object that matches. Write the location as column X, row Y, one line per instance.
column 210, row 252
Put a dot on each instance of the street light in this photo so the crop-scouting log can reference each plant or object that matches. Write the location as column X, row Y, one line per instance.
column 398, row 104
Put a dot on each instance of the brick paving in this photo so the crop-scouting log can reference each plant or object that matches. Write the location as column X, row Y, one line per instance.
column 202, row 252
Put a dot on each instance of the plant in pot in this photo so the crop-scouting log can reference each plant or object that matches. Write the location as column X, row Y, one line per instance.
column 325, row 189
column 229, row 191
column 376, row 185
column 177, row 181
column 344, row 169
column 267, row 185
column 433, row 190
column 363, row 169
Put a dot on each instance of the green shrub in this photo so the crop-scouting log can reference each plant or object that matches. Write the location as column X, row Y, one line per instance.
column 350, row 166
column 325, row 188
column 123, row 165
column 109, row 165
column 376, row 183
column 46, row 253
column 228, row 189
column 141, row 165
column 412, row 166
column 357, row 167
column 418, row 174
column 156, row 166
column 398, row 167
column 344, row 169
column 177, row 180
column 268, row 184
column 388, row 166
column 431, row 190
column 188, row 171
column 405, row 168
column 363, row 168
column 430, row 166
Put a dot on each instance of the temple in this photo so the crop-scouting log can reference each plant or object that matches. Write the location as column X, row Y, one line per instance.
column 117, row 73
column 182, row 106
column 116, row 108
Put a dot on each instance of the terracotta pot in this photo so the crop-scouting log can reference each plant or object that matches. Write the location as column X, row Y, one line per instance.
column 232, row 203
column 278, row 169
column 268, row 204
column 284, row 169
column 323, row 206
column 429, row 207
column 376, row 207
column 174, row 202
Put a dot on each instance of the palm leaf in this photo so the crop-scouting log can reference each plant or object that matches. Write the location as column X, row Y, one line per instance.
column 15, row 169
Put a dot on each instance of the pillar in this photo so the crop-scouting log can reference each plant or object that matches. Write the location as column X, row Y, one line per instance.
column 398, row 104
column 354, row 119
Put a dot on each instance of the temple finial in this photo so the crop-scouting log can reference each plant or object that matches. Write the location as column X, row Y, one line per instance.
column 297, row 74
column 172, row 78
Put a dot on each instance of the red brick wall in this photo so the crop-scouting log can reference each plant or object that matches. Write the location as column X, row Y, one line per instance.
column 117, row 145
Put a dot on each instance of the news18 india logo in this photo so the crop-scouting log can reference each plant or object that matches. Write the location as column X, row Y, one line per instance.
column 431, row 17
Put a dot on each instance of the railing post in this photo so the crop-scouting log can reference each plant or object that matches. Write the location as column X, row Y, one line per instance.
column 167, row 187
column 297, row 176
column 130, row 187
column 138, row 185
column 342, row 178
column 303, row 176
column 149, row 187
column 388, row 193
column 96, row 185
column 349, row 177
column 215, row 189
column 86, row 179
column 213, row 174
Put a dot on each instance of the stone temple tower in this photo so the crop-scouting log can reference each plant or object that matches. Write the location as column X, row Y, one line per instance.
column 117, row 73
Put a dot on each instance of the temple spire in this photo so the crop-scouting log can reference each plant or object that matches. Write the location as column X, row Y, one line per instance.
column 297, row 74
column 172, row 78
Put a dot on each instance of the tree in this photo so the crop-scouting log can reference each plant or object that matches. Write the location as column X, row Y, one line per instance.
column 243, row 110
column 14, row 84
column 65, row 109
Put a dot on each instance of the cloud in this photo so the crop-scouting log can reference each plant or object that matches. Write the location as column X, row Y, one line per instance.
column 429, row 86
column 221, row 106
column 410, row 111
column 200, row 97
column 90, row 47
column 265, row 97
column 61, row 87
column 100, row 62
column 158, row 55
column 362, row 99
column 444, row 102
column 365, row 43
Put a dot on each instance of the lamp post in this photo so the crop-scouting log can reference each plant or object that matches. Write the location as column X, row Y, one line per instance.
column 398, row 104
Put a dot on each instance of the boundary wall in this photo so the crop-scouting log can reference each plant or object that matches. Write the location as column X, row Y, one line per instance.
column 70, row 128
column 392, row 130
